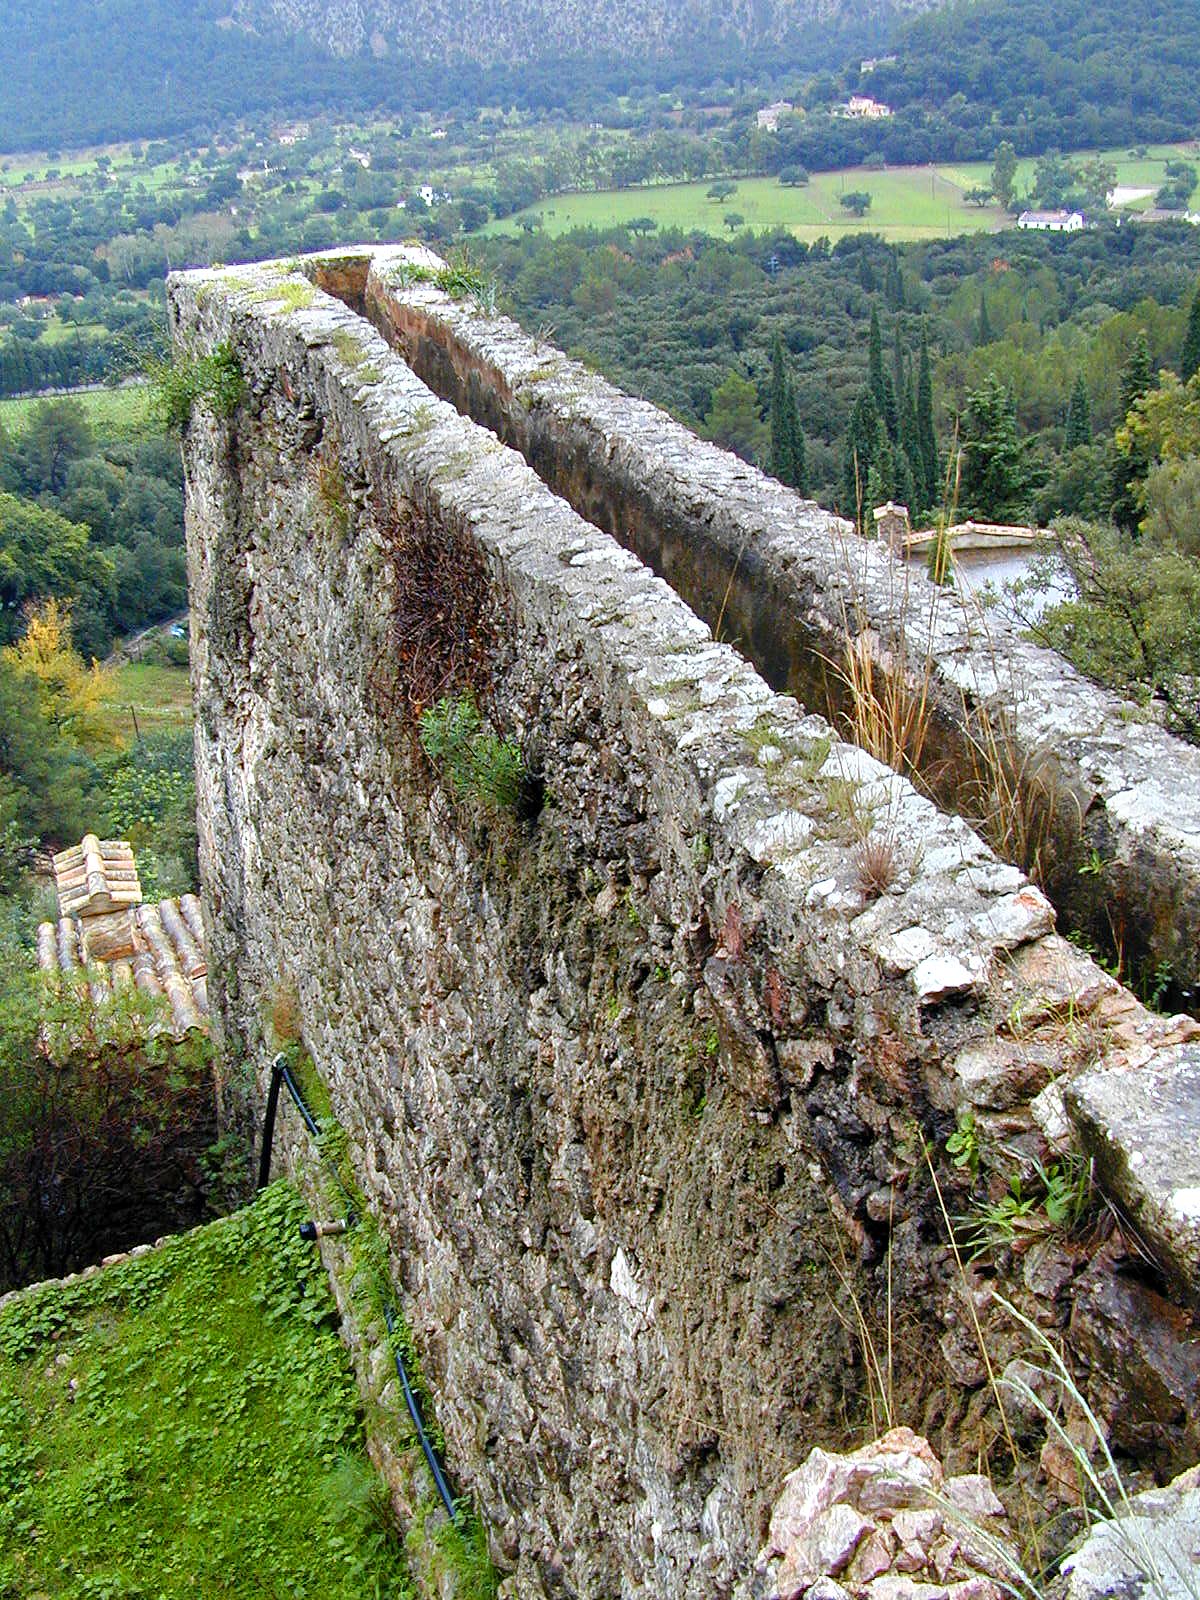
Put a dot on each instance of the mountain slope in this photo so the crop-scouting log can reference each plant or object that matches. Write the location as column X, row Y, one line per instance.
column 517, row 30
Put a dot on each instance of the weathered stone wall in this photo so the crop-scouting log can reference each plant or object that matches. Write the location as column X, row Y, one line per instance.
column 640, row 1080
column 788, row 581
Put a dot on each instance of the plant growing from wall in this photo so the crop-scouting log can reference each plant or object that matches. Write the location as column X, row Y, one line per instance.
column 478, row 764
column 188, row 379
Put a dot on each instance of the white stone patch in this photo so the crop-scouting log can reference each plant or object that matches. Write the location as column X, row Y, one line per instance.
column 940, row 976
column 606, row 555
column 725, row 795
column 996, row 877
column 901, row 952
column 1015, row 918
column 854, row 765
column 625, row 1286
column 777, row 835
column 1050, row 1114
column 658, row 708
column 1187, row 1203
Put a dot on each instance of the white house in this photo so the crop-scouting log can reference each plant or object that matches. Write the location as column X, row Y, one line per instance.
column 1052, row 221
column 863, row 106
column 768, row 117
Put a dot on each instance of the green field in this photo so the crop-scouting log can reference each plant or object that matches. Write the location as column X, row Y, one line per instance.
column 122, row 410
column 159, row 697
column 906, row 202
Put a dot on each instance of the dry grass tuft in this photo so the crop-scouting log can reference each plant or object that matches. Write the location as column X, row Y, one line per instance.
column 875, row 866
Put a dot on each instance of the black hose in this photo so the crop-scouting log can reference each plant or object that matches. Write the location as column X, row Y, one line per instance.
column 414, row 1412
column 282, row 1073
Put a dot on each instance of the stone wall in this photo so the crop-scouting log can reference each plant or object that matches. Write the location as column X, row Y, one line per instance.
column 646, row 1077
column 788, row 582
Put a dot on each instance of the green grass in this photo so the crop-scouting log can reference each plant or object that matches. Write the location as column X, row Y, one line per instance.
column 186, row 1426
column 109, row 410
column 906, row 202
column 160, row 696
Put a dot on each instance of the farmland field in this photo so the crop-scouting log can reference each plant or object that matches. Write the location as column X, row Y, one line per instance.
column 122, row 410
column 906, row 202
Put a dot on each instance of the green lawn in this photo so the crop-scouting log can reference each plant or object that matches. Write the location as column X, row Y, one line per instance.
column 122, row 410
column 159, row 697
column 187, row 1426
column 906, row 202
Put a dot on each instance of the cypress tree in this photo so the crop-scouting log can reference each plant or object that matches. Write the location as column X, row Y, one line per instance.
column 862, row 445
column 1189, row 361
column 789, row 455
column 1079, row 415
column 889, row 411
column 799, row 454
column 903, row 490
column 894, row 283
column 910, row 448
column 1130, row 466
column 898, row 364
column 875, row 362
column 881, row 481
column 926, row 438
column 985, row 326
column 1137, row 375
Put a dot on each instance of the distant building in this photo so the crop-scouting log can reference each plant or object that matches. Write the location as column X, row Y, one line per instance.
column 863, row 107
column 871, row 62
column 1052, row 221
column 291, row 133
column 1161, row 214
column 768, row 117
column 438, row 133
column 363, row 157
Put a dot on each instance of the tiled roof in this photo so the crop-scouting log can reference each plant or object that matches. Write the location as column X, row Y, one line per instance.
column 96, row 876
column 159, row 948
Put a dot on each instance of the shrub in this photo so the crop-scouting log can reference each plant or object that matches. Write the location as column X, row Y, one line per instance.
column 180, row 384
column 478, row 763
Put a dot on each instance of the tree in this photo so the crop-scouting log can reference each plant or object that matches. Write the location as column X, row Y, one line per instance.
column 642, row 225
column 1189, row 360
column 71, row 695
column 56, row 434
column 734, row 220
column 794, row 177
column 1131, row 461
column 856, row 200
column 788, row 451
column 978, row 196
column 1004, row 173
column 926, row 437
column 721, row 190
column 733, row 418
column 1132, row 622
column 861, row 448
column 42, row 775
column 990, row 484
column 875, row 361
column 1079, row 416
column 985, row 325
column 44, row 555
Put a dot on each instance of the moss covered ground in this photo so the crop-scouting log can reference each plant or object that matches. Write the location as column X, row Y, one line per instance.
column 186, row 1425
